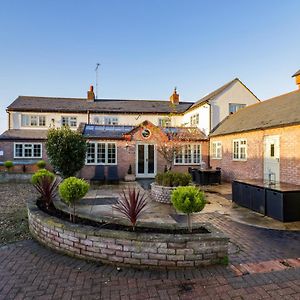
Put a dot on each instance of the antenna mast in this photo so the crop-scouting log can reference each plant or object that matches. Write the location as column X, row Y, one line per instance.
column 96, row 70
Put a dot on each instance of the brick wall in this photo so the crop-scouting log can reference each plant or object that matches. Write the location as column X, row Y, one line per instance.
column 128, row 248
column 253, row 167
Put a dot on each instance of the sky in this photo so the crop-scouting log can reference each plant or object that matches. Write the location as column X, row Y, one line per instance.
column 146, row 47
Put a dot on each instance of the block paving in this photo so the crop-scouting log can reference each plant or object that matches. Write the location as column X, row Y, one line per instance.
column 31, row 271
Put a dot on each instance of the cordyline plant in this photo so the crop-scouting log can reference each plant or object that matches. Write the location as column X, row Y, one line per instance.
column 131, row 204
column 46, row 184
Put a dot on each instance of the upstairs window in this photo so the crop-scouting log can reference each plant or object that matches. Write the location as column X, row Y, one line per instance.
column 164, row 122
column 100, row 120
column 26, row 150
column 33, row 121
column 240, row 149
column 69, row 121
column 234, row 107
column 216, row 150
column 194, row 120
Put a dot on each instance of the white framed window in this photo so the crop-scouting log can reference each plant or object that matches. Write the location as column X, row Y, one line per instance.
column 239, row 149
column 105, row 120
column 216, row 150
column 189, row 155
column 101, row 154
column 164, row 122
column 234, row 107
column 27, row 150
column 33, row 121
column 69, row 121
column 194, row 120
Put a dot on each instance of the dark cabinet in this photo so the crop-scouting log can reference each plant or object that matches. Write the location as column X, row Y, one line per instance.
column 281, row 202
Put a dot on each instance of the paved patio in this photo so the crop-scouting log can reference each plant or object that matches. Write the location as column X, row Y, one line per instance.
column 264, row 264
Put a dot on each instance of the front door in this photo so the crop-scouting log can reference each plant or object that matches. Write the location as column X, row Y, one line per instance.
column 145, row 161
column 271, row 158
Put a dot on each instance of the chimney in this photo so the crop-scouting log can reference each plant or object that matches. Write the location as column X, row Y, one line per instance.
column 297, row 78
column 174, row 97
column 90, row 94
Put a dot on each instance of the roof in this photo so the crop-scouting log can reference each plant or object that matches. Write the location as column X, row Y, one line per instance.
column 184, row 133
column 297, row 73
column 106, row 131
column 81, row 105
column 217, row 92
column 276, row 112
column 24, row 134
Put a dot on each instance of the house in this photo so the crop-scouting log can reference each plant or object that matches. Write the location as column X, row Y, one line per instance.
column 261, row 141
column 120, row 132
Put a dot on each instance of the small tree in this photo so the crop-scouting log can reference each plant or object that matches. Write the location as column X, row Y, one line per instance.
column 66, row 150
column 8, row 165
column 71, row 190
column 188, row 199
column 46, row 184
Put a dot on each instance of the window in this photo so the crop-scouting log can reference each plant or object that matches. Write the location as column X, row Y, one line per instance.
column 188, row 155
column 239, row 149
column 33, row 121
column 101, row 154
column 24, row 150
column 69, row 121
column 194, row 120
column 164, row 122
column 100, row 120
column 216, row 150
column 234, row 107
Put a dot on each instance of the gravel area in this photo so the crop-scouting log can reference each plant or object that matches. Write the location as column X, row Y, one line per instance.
column 13, row 212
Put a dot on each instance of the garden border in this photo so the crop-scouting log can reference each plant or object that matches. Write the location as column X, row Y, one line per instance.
column 124, row 248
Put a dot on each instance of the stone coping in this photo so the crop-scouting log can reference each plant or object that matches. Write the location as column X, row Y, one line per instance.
column 128, row 248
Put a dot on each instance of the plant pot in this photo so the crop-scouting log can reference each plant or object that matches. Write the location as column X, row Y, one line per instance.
column 129, row 177
column 161, row 193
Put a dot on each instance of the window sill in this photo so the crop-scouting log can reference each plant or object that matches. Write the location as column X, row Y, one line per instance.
column 218, row 158
column 239, row 159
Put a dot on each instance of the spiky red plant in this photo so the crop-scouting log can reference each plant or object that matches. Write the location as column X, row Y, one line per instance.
column 131, row 204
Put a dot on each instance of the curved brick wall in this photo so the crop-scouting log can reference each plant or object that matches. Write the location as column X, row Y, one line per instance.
column 128, row 248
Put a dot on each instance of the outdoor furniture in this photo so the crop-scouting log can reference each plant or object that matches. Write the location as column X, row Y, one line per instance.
column 112, row 174
column 208, row 176
column 99, row 174
column 280, row 201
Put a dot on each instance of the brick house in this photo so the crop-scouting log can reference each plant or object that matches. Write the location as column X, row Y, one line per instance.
column 120, row 132
column 261, row 141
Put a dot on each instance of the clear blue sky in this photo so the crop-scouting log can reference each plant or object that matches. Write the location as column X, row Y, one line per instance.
column 50, row 48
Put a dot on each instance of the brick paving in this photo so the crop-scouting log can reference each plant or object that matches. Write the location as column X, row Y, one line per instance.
column 30, row 271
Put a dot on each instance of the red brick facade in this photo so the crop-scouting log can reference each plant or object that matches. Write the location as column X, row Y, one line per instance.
column 253, row 166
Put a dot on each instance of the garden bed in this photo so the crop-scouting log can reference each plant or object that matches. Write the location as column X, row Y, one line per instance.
column 117, row 244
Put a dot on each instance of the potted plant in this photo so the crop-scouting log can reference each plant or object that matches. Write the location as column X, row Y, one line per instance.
column 8, row 165
column 129, row 176
column 165, row 183
column 188, row 199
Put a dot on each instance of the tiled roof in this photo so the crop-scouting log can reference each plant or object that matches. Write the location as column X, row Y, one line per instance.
column 297, row 73
column 276, row 112
column 217, row 92
column 81, row 105
column 185, row 133
column 105, row 131
column 24, row 134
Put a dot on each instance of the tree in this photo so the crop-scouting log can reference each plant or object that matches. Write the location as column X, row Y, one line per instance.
column 188, row 199
column 66, row 150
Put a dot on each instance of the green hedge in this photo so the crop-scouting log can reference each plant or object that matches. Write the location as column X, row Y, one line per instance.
column 173, row 179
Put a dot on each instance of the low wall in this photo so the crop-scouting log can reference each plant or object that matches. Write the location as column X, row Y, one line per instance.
column 128, row 248
column 15, row 177
column 161, row 193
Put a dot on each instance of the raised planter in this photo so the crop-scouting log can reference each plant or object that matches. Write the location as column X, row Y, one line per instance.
column 15, row 177
column 161, row 193
column 128, row 248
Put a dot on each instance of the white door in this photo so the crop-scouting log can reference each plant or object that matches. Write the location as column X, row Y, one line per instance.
column 145, row 161
column 272, row 158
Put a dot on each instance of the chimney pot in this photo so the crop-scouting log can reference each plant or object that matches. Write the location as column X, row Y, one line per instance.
column 91, row 94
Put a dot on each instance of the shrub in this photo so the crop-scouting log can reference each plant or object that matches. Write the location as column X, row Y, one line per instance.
column 46, row 184
column 66, row 150
column 41, row 164
column 188, row 199
column 71, row 190
column 8, row 164
column 173, row 179
column 131, row 205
